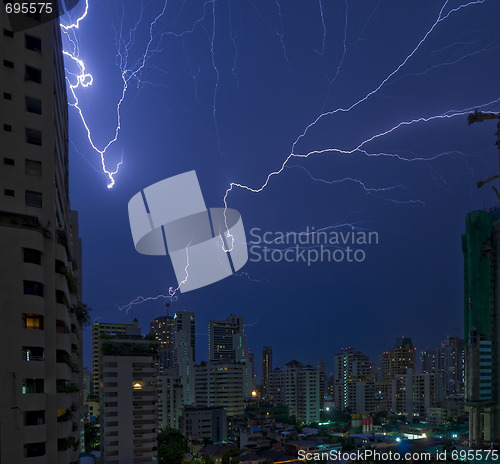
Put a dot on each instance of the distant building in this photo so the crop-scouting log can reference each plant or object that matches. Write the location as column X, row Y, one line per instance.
column 267, row 367
column 451, row 365
column 162, row 328
column 276, row 391
column 100, row 329
column 221, row 383
column 129, row 419
column 209, row 423
column 480, row 246
column 402, row 357
column 185, row 353
column 413, row 394
column 87, row 383
column 351, row 366
column 322, row 384
column 301, row 391
column 226, row 339
column 170, row 399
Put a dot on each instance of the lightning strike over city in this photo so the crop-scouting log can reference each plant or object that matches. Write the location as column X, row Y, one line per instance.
column 250, row 191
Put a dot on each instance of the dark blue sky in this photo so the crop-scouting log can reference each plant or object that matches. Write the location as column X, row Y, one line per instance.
column 270, row 68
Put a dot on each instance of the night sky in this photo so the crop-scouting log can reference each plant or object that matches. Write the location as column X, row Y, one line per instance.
column 266, row 70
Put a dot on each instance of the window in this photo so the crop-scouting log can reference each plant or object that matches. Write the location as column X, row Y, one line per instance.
column 32, row 353
column 8, row 33
column 7, row 96
column 8, row 64
column 32, row 287
column 33, row 168
column 32, row 256
column 34, row 417
column 33, row 74
column 33, row 386
column 32, row 450
column 61, row 298
column 9, row 161
column 33, row 43
column 33, row 321
column 33, row 199
column 7, row 128
column 61, row 327
column 34, row 136
column 9, row 193
column 33, row 105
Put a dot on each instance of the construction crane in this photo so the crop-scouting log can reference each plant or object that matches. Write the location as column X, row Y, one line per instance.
column 479, row 116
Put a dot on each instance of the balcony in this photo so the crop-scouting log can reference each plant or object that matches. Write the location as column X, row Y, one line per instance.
column 35, row 433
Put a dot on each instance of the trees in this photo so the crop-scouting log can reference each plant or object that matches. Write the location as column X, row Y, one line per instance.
column 171, row 446
column 92, row 437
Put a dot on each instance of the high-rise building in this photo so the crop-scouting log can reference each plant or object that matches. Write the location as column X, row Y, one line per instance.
column 413, row 394
column 301, row 391
column 350, row 366
column 267, row 367
column 170, row 399
column 221, row 383
column 100, row 329
column 428, row 361
column 40, row 277
column 128, row 399
column 162, row 328
column 480, row 246
column 451, row 365
column 276, row 390
column 184, row 353
column 322, row 384
column 226, row 339
column 402, row 357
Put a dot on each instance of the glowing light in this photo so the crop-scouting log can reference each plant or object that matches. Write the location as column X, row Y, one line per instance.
column 83, row 79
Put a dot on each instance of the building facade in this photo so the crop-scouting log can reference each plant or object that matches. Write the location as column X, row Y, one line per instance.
column 128, row 414
column 162, row 328
column 480, row 245
column 100, row 329
column 40, row 283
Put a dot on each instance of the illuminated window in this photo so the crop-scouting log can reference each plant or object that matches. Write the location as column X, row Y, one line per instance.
column 33, row 321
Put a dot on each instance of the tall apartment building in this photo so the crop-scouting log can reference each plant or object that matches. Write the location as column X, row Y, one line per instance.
column 267, row 367
column 221, row 384
column 100, row 329
column 402, row 357
column 301, row 391
column 184, row 353
column 128, row 399
column 350, row 366
column 413, row 394
column 40, row 283
column 322, row 384
column 162, row 328
column 170, row 399
column 226, row 339
column 480, row 245
column 276, row 387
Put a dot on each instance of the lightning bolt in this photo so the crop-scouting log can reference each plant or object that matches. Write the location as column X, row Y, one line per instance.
column 82, row 79
column 442, row 16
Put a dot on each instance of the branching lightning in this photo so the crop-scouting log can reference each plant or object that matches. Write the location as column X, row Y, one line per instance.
column 83, row 79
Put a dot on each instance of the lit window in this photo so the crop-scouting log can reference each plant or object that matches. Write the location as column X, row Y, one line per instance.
column 33, row 321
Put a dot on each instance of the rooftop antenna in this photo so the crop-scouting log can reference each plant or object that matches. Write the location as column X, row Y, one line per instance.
column 167, row 305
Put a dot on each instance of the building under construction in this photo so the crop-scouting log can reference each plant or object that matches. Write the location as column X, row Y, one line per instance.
column 481, row 248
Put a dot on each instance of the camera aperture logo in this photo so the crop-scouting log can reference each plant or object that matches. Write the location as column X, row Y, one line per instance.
column 205, row 245
column 311, row 246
